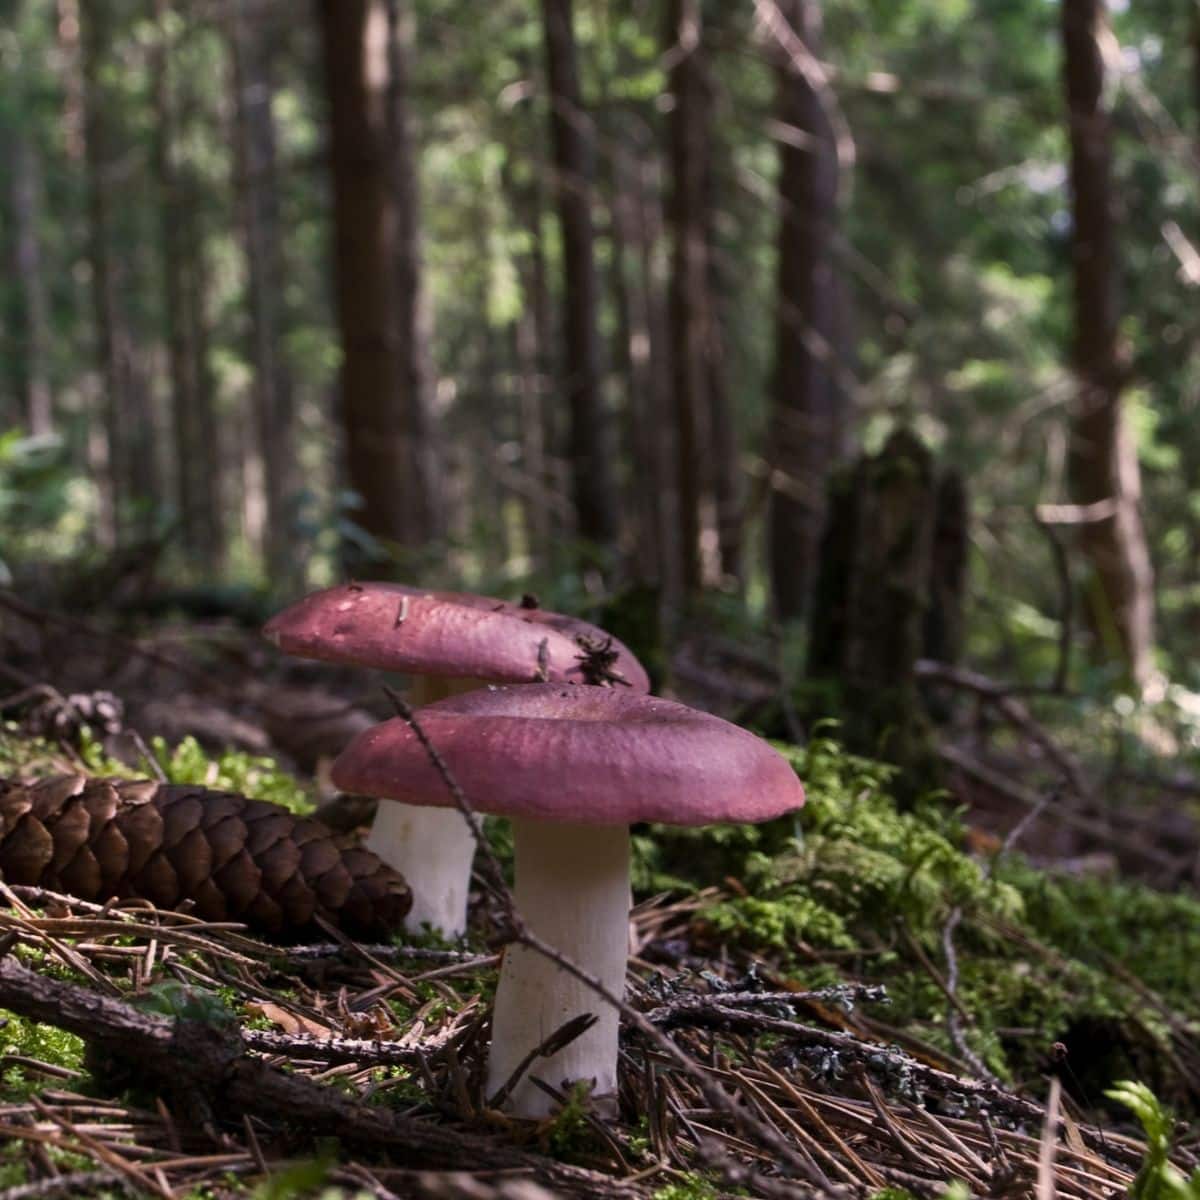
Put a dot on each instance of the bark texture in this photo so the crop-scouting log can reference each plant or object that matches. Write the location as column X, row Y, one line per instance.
column 806, row 419
column 356, row 70
column 230, row 857
column 689, row 276
column 1103, row 466
column 274, row 402
column 27, row 255
column 590, row 448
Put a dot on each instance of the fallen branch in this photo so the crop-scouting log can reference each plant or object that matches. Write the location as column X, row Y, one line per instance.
column 189, row 1058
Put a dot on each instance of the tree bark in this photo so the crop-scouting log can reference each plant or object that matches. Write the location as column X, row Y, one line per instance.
column 26, row 208
column 805, row 427
column 686, row 216
column 1103, row 465
column 110, row 341
column 413, row 314
column 273, row 396
column 356, row 68
column 590, row 449
column 177, row 249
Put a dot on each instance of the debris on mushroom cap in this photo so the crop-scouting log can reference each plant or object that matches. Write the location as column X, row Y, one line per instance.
column 400, row 628
column 599, row 756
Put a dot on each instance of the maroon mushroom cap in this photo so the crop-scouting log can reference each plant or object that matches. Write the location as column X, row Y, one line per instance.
column 599, row 756
column 399, row 628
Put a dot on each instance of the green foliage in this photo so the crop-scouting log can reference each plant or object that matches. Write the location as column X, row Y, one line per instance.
column 1159, row 1179
column 39, row 497
column 251, row 775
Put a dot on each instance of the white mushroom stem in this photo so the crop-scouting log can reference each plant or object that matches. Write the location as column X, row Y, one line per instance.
column 433, row 848
column 572, row 889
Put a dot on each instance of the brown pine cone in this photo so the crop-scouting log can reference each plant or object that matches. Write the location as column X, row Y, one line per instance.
column 235, row 859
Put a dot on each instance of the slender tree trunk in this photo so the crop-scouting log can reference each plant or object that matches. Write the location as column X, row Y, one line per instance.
column 687, row 218
column 197, row 461
column 181, row 353
column 720, row 289
column 372, row 409
column 413, row 314
column 112, row 362
column 590, row 438
column 633, row 358
column 274, row 400
column 806, row 419
column 653, row 274
column 1103, row 464
column 26, row 208
column 530, row 334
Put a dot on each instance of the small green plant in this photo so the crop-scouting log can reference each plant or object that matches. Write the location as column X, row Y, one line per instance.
column 1159, row 1178
column 170, row 998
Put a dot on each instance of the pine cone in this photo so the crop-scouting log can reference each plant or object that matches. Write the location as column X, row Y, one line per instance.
column 235, row 859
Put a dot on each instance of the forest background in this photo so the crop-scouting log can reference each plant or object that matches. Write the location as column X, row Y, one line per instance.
column 572, row 297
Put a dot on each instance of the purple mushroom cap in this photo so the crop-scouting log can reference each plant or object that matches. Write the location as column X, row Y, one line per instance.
column 600, row 756
column 456, row 634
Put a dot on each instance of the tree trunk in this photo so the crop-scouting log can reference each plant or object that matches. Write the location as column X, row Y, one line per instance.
column 1103, row 464
column 356, row 61
column 590, row 450
column 274, row 402
column 686, row 216
column 413, row 315
column 805, row 428
column 631, row 352
column 530, row 343
column 109, row 336
column 26, row 208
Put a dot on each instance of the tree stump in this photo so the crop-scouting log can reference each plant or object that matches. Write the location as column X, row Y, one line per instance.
column 889, row 591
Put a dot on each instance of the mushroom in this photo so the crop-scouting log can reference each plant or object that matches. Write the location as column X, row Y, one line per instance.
column 452, row 642
column 573, row 768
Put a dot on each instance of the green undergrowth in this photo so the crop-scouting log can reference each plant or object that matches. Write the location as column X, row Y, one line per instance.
column 854, row 888
column 253, row 775
column 31, row 1040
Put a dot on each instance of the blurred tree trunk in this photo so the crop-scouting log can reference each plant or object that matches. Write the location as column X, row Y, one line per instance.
column 688, row 221
column 274, row 403
column 1103, row 464
column 632, row 355
column 191, row 402
column 111, row 337
column 662, row 432
column 372, row 409
column 413, row 319
column 531, row 341
column 726, row 456
column 27, row 255
column 590, row 439
column 806, row 417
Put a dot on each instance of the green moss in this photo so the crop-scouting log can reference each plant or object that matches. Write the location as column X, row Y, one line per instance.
column 251, row 775
column 854, row 872
column 32, row 1040
column 691, row 1187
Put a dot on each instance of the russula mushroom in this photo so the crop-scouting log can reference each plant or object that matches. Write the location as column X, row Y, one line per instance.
column 573, row 768
column 451, row 642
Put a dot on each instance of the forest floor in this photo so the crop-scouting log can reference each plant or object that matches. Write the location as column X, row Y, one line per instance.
column 867, row 1001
